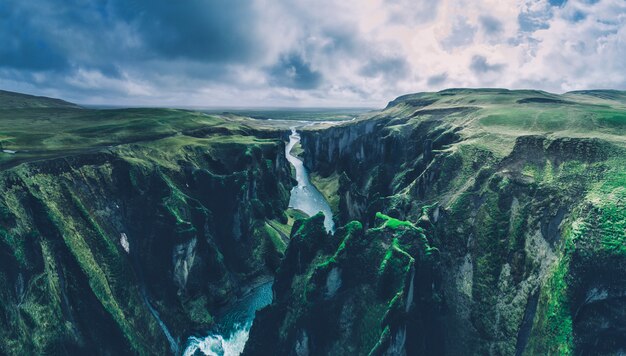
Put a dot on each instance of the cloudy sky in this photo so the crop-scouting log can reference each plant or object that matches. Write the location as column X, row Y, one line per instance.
column 304, row 52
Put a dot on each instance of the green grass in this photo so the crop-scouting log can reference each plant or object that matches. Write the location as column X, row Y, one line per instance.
column 11, row 100
column 274, row 236
column 292, row 216
column 574, row 120
column 493, row 118
column 297, row 150
column 329, row 187
column 42, row 133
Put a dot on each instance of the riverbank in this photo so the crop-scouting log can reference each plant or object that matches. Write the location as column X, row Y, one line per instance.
column 305, row 196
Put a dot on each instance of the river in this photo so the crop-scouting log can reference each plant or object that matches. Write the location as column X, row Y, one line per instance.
column 305, row 196
column 234, row 322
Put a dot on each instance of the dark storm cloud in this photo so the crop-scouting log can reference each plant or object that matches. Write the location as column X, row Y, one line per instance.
column 25, row 46
column 59, row 41
column 293, row 72
column 205, row 30
column 218, row 30
column 480, row 65
column 248, row 52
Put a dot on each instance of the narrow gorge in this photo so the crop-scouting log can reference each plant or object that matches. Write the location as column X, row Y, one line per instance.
column 466, row 221
column 236, row 319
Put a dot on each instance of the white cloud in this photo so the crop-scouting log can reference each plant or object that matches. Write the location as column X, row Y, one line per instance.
column 357, row 52
column 518, row 44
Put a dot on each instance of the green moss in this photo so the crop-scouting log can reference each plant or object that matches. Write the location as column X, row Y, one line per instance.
column 553, row 332
column 17, row 244
column 36, row 320
column 352, row 228
column 382, row 340
column 385, row 261
column 329, row 187
column 274, row 236
column 110, row 247
column 197, row 309
column 369, row 328
column 393, row 223
column 490, row 252
column 70, row 229
column 609, row 208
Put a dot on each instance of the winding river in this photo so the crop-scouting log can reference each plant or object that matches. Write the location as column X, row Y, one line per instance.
column 305, row 196
column 233, row 323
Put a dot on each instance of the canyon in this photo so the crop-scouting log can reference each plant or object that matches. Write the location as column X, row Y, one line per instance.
column 466, row 221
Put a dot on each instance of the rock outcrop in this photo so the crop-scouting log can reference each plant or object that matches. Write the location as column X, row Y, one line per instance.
column 118, row 239
column 529, row 229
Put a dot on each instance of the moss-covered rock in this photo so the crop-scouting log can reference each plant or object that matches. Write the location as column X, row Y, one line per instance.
column 525, row 214
column 116, row 238
column 349, row 291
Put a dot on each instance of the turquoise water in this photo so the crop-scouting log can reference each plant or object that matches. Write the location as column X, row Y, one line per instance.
column 234, row 323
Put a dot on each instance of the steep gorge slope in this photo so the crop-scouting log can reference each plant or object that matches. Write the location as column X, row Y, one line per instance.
column 512, row 235
column 95, row 246
column 474, row 222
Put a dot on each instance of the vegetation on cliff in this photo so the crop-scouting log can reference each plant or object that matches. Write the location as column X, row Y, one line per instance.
column 521, row 195
column 117, row 217
column 474, row 222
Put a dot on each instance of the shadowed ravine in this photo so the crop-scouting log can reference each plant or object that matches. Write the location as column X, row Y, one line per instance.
column 235, row 321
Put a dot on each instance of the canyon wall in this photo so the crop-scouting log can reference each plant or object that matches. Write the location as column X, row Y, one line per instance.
column 96, row 247
column 526, row 234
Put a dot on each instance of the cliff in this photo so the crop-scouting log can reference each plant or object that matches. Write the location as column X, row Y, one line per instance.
column 130, row 248
column 524, row 205
column 480, row 221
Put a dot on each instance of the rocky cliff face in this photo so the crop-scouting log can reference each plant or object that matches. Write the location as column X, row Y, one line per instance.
column 95, row 247
column 529, row 229
column 362, row 291
column 380, row 157
column 474, row 222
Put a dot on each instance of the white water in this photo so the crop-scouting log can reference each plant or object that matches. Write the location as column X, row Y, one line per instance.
column 216, row 345
column 231, row 335
column 305, row 196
